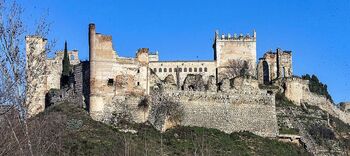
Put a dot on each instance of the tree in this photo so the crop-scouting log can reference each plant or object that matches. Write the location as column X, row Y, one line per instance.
column 65, row 67
column 235, row 68
column 65, row 61
column 16, row 135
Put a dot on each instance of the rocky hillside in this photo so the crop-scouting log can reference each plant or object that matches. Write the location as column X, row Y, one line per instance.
column 321, row 133
column 73, row 132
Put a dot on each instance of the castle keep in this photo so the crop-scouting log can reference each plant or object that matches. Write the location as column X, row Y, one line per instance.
column 224, row 93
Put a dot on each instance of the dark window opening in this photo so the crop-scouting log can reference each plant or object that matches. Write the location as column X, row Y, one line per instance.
column 205, row 69
column 170, row 69
column 154, row 69
column 138, row 70
column 200, row 69
column 160, row 69
column 266, row 73
column 195, row 69
column 180, row 69
column 189, row 69
column 164, row 69
column 138, row 83
column 110, row 82
column 185, row 69
column 175, row 70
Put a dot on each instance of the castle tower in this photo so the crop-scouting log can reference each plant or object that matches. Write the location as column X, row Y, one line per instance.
column 102, row 60
column 229, row 47
column 36, row 74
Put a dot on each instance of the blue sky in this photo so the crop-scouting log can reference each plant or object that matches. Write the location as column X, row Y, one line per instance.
column 317, row 31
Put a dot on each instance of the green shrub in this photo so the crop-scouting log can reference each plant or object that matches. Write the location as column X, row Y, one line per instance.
column 317, row 87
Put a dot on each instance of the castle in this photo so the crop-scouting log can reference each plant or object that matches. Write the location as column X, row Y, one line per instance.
column 224, row 93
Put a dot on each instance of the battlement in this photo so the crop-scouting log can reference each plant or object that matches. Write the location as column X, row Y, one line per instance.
column 235, row 37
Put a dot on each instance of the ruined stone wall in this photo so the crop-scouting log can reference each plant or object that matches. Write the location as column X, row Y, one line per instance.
column 165, row 68
column 279, row 65
column 284, row 63
column 323, row 103
column 36, row 74
column 242, row 48
column 270, row 62
column 54, row 68
column 111, row 75
column 230, row 112
column 295, row 88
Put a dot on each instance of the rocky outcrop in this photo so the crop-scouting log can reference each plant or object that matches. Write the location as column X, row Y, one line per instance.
column 225, row 85
column 211, row 85
column 194, row 83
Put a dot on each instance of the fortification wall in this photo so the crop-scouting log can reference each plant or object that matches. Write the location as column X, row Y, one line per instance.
column 230, row 112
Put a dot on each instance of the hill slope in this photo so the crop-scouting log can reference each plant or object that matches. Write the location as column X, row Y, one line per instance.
column 75, row 133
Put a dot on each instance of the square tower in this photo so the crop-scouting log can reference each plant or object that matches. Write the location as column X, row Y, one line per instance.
column 229, row 48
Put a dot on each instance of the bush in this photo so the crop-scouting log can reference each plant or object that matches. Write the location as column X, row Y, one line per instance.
column 321, row 133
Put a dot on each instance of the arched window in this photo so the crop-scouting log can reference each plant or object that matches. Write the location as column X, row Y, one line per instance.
column 72, row 57
column 160, row 70
column 164, row 69
column 189, row 69
column 155, row 69
column 180, row 69
column 200, row 69
column 170, row 69
column 175, row 70
column 195, row 69
column 185, row 69
column 205, row 69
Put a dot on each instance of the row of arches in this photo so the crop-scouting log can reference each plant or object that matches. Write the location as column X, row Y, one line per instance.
column 200, row 69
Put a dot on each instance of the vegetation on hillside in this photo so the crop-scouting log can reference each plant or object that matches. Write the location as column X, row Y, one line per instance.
column 332, row 137
column 317, row 87
column 80, row 135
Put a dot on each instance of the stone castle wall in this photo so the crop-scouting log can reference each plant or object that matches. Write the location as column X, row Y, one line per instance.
column 230, row 112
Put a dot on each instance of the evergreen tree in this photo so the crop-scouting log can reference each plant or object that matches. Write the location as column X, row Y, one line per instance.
column 65, row 61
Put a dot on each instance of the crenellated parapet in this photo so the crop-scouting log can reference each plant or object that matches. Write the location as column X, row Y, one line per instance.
column 235, row 36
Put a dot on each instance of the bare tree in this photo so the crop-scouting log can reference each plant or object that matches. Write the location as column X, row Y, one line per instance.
column 236, row 68
column 15, row 128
